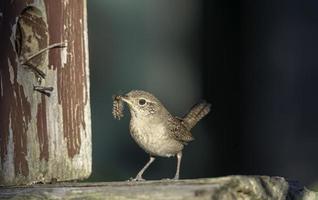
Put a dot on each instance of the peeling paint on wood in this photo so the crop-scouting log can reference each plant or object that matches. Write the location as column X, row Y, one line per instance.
column 70, row 75
column 44, row 138
column 42, row 129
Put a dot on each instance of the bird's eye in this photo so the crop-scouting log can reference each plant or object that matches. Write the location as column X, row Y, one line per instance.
column 142, row 102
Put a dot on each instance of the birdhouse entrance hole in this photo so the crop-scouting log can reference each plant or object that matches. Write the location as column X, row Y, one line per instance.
column 31, row 36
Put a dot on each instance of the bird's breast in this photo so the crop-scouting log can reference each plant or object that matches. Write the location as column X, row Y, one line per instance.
column 154, row 138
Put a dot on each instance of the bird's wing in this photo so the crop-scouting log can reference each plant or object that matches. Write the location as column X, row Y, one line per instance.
column 178, row 130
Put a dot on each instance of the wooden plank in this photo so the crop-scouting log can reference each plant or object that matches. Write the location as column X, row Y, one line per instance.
column 231, row 187
column 44, row 134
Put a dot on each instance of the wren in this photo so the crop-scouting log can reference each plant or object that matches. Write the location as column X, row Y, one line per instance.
column 155, row 130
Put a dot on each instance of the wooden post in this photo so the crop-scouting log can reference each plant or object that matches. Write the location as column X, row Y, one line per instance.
column 45, row 129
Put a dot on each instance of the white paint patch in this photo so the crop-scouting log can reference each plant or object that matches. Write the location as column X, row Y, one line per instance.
column 1, row 14
column 87, row 108
column 63, row 56
column 11, row 71
column 87, row 92
column 65, row 3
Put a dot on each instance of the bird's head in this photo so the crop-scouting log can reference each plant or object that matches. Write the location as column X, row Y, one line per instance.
column 141, row 103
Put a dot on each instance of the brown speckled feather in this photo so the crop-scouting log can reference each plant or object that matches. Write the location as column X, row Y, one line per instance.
column 178, row 130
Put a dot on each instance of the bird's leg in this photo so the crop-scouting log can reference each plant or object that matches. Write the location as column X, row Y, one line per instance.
column 179, row 156
column 139, row 175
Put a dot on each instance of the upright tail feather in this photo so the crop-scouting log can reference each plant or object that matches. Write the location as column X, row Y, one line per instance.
column 196, row 113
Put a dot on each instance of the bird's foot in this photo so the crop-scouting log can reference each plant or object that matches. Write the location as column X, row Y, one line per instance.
column 137, row 178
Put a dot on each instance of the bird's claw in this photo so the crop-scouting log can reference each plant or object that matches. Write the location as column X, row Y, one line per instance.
column 137, row 178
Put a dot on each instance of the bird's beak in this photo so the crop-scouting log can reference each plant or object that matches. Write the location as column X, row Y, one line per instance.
column 126, row 99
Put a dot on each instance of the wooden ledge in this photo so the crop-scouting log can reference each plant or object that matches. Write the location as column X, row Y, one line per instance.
column 230, row 187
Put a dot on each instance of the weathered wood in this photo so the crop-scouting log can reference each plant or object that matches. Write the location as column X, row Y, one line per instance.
column 45, row 131
column 227, row 188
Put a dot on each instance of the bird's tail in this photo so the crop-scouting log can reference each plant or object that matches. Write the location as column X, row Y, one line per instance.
column 196, row 113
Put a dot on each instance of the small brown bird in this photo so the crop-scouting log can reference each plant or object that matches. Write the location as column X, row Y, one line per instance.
column 154, row 129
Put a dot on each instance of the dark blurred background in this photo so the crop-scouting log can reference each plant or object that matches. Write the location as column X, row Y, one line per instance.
column 255, row 61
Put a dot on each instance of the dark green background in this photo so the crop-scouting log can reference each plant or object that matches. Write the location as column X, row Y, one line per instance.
column 255, row 61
